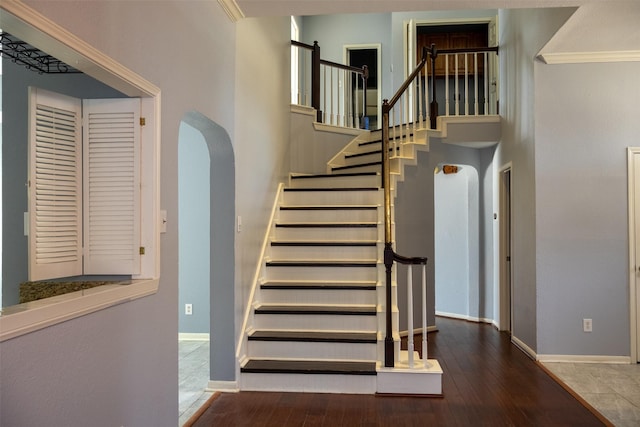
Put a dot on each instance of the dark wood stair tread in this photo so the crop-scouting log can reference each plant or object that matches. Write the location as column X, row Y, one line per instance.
column 296, row 189
column 309, row 367
column 313, row 263
column 314, row 336
column 317, row 310
column 338, row 168
column 296, row 285
column 324, row 243
column 328, row 224
column 327, row 207
column 335, row 175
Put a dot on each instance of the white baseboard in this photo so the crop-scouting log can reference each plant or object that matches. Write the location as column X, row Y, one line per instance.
column 524, row 347
column 224, row 386
column 464, row 317
column 575, row 358
column 418, row 331
column 186, row 336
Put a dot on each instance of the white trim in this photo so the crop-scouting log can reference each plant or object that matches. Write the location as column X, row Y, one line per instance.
column 633, row 302
column 337, row 129
column 418, row 331
column 302, row 109
column 242, row 340
column 464, row 317
column 505, row 305
column 224, row 386
column 192, row 336
column 22, row 319
column 34, row 28
column 232, row 10
column 524, row 347
column 574, row 358
column 589, row 57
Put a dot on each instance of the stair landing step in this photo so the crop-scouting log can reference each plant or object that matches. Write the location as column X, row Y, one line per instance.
column 314, row 336
column 320, row 285
column 364, row 310
column 317, row 367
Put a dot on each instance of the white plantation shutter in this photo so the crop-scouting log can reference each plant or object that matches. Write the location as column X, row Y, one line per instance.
column 55, row 203
column 111, row 141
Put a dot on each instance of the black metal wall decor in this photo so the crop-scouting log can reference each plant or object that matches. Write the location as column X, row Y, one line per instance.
column 30, row 57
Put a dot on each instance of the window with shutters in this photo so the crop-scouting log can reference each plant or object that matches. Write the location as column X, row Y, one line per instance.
column 84, row 186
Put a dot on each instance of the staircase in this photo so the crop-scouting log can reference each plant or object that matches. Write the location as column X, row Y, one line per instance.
column 316, row 322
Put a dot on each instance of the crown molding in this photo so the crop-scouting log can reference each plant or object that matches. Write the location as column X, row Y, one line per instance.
column 587, row 57
column 232, row 9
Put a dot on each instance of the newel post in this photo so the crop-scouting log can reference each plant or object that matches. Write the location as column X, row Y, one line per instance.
column 433, row 107
column 315, row 80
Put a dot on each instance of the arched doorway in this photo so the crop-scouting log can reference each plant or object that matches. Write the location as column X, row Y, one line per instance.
column 456, row 197
column 221, row 257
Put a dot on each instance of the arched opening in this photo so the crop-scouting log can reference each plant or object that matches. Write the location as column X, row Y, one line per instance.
column 206, row 241
column 456, row 197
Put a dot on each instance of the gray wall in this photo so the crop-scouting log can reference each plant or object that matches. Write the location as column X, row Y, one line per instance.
column 194, row 168
column 15, row 131
column 333, row 32
column 522, row 34
column 127, row 355
column 586, row 117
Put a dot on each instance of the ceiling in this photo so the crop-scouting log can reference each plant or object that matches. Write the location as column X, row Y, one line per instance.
column 255, row 8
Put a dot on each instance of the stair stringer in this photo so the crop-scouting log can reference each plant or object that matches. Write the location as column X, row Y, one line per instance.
column 254, row 294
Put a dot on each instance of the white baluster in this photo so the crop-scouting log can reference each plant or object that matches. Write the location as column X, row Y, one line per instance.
column 447, row 98
column 324, row 95
column 486, row 83
column 424, row 314
column 475, row 82
column 466, row 84
column 456, row 92
column 357, row 115
column 410, row 314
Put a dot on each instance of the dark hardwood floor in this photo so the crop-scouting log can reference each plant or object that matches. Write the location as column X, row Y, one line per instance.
column 487, row 382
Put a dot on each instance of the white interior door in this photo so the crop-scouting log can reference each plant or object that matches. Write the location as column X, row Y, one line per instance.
column 634, row 249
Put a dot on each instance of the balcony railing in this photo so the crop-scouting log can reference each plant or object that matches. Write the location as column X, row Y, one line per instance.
column 336, row 91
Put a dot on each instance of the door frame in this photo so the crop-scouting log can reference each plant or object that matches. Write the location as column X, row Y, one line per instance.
column 366, row 46
column 505, row 241
column 634, row 304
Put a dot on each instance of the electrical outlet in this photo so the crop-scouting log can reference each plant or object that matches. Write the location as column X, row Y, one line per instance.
column 188, row 309
column 587, row 325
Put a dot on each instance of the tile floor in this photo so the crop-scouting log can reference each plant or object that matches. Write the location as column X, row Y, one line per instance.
column 613, row 390
column 193, row 377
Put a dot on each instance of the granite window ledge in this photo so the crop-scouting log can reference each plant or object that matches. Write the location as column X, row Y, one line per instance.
column 25, row 318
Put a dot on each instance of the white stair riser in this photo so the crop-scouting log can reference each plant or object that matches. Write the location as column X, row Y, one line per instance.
column 323, row 253
column 353, row 384
column 302, row 198
column 312, row 350
column 317, row 296
column 341, row 234
column 320, row 273
column 314, row 322
column 332, row 215
column 337, row 182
